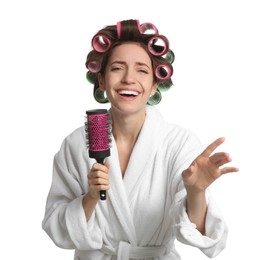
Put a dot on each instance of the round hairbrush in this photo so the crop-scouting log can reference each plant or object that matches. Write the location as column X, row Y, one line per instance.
column 98, row 132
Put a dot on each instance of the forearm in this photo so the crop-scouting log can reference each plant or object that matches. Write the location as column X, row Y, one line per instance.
column 89, row 205
column 196, row 207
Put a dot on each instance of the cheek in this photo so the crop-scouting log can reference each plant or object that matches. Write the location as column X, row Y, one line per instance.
column 153, row 87
column 112, row 80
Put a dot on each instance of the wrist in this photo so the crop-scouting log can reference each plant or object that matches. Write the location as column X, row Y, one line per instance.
column 196, row 208
column 89, row 203
column 90, row 198
column 195, row 192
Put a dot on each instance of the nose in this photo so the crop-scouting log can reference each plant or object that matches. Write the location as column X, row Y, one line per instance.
column 129, row 76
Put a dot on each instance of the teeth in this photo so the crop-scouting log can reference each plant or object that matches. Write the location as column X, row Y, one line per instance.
column 128, row 92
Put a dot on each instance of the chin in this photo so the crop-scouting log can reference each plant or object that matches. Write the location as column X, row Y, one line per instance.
column 128, row 108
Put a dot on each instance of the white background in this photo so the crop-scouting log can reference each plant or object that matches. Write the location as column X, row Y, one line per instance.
column 220, row 89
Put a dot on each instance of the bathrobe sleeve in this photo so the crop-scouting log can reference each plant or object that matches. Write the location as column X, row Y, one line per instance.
column 214, row 240
column 65, row 220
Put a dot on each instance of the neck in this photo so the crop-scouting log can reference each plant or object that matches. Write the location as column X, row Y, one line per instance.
column 126, row 128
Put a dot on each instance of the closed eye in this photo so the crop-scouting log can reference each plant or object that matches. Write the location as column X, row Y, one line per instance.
column 116, row 68
column 143, row 71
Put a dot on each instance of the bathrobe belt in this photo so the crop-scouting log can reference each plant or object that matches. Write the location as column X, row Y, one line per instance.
column 125, row 251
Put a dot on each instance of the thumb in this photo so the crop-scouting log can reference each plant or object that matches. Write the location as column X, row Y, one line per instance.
column 187, row 173
column 107, row 165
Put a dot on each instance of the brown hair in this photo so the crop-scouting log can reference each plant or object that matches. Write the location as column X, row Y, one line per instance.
column 128, row 31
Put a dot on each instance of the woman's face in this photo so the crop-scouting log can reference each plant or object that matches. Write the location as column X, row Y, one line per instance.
column 128, row 78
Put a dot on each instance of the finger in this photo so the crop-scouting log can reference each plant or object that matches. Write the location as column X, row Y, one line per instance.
column 103, row 187
column 218, row 157
column 188, row 172
column 222, row 162
column 99, row 174
column 107, row 165
column 229, row 169
column 99, row 187
column 99, row 181
column 210, row 149
column 188, row 175
column 99, row 167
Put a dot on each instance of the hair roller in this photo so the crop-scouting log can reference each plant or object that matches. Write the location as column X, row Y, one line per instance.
column 169, row 56
column 99, row 96
column 119, row 26
column 157, row 46
column 91, row 77
column 148, row 28
column 164, row 86
column 94, row 66
column 155, row 99
column 128, row 30
column 163, row 72
column 101, row 43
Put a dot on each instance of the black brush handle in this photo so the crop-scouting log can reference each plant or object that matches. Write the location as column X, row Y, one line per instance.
column 102, row 192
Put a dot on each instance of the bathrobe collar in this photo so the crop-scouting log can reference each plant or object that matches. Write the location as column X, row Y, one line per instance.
column 122, row 189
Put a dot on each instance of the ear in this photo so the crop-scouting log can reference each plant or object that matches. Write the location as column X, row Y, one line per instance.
column 154, row 88
column 101, row 82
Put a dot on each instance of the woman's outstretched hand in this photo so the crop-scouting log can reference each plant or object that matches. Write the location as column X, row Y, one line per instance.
column 207, row 168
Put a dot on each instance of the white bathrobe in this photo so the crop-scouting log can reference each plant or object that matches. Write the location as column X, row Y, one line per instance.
column 144, row 212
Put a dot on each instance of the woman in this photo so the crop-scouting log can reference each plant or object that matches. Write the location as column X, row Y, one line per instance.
column 157, row 176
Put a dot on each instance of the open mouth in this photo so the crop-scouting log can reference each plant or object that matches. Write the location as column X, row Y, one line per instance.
column 128, row 93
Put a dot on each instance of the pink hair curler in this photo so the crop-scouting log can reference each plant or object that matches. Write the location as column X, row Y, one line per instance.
column 148, row 28
column 94, row 66
column 157, row 46
column 119, row 26
column 163, row 72
column 101, row 43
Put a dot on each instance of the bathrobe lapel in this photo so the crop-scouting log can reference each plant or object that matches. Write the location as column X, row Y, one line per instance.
column 118, row 197
column 122, row 189
column 144, row 149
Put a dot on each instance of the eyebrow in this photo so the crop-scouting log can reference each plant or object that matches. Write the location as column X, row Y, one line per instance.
column 124, row 63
